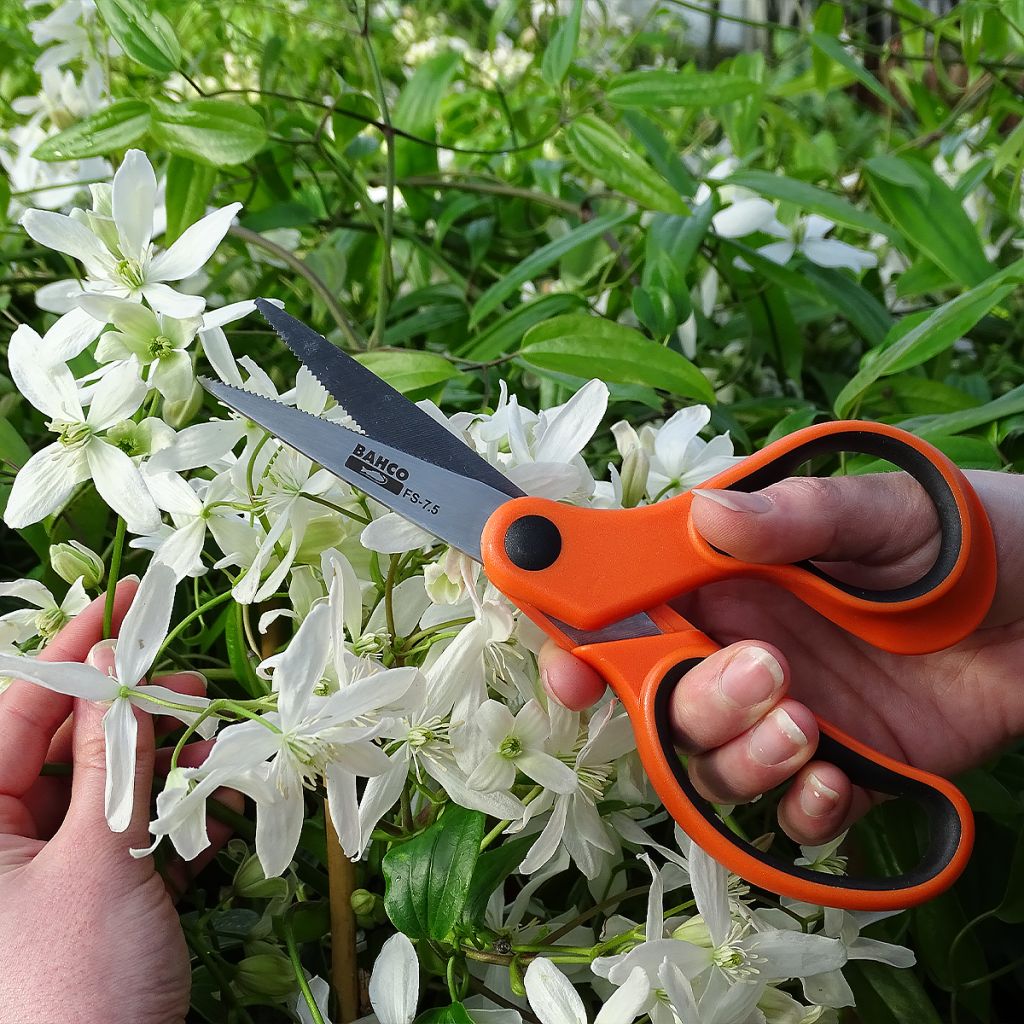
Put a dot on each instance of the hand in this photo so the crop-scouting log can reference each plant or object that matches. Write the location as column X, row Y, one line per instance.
column 88, row 934
column 744, row 713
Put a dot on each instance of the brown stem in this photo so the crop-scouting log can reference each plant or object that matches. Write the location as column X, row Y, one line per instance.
column 344, row 969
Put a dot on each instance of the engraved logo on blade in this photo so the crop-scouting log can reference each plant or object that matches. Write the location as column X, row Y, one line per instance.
column 378, row 469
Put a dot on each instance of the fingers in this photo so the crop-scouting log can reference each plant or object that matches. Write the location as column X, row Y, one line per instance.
column 31, row 714
column 820, row 803
column 885, row 524
column 572, row 682
column 120, row 737
column 727, row 693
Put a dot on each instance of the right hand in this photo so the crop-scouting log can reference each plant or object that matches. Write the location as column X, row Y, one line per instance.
column 744, row 712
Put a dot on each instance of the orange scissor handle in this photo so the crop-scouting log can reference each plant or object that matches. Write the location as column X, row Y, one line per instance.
column 591, row 567
column 643, row 673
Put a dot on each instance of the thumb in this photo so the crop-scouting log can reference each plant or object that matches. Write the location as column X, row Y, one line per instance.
column 883, row 521
column 113, row 752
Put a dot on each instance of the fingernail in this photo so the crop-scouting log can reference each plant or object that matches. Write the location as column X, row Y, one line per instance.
column 751, row 676
column 99, row 652
column 776, row 739
column 131, row 576
column 817, row 799
column 736, row 501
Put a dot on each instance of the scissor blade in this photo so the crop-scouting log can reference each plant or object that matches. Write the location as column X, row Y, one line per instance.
column 448, row 505
column 384, row 413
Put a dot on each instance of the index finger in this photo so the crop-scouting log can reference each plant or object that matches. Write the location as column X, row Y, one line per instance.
column 31, row 714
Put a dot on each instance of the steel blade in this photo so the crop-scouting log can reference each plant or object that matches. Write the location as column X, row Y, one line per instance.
column 384, row 413
column 448, row 505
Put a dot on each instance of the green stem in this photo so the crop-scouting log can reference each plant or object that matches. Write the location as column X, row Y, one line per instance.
column 303, row 270
column 502, row 825
column 337, row 508
column 115, row 570
column 300, row 974
column 191, row 617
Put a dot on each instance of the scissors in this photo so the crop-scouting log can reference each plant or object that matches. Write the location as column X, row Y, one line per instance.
column 598, row 582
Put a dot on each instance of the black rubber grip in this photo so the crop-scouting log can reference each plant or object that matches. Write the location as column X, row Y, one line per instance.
column 944, row 826
column 900, row 454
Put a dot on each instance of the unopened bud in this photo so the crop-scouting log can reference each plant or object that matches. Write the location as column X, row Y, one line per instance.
column 635, row 467
column 694, row 931
column 266, row 974
column 324, row 532
column 250, row 881
column 363, row 901
column 181, row 414
column 71, row 560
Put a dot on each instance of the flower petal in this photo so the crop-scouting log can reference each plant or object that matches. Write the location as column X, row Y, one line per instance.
column 301, row 666
column 547, row 770
column 165, row 299
column 121, row 486
column 628, row 1001
column 116, row 397
column 133, row 198
column 44, row 483
column 194, row 246
column 552, row 995
column 710, row 882
column 120, row 729
column 145, row 626
column 65, row 235
column 70, row 677
column 395, row 982
column 743, row 218
column 391, row 534
column 830, row 252
column 47, row 384
column 278, row 825
column 792, row 954
column 71, row 335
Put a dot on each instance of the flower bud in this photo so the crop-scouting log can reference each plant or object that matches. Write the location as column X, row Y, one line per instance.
column 324, row 532
column 250, row 881
column 181, row 414
column 694, row 931
column 635, row 467
column 71, row 560
column 266, row 974
column 363, row 901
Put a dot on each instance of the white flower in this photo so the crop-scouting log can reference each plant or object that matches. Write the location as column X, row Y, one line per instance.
column 156, row 340
column 807, row 236
column 493, row 745
column 45, row 618
column 575, row 822
column 555, row 1001
column 308, row 737
column 679, row 458
column 114, row 244
column 140, row 637
column 46, row 481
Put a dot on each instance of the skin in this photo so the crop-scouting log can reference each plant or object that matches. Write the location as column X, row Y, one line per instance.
column 82, row 920
column 943, row 712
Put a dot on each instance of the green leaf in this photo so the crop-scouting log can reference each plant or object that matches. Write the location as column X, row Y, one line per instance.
column 811, row 198
column 660, row 150
column 409, row 370
column 539, row 261
column 889, row 995
column 866, row 315
column 428, row 877
column 239, row 658
column 115, row 127
column 188, row 188
column 562, row 48
column 828, row 20
column 602, row 151
column 146, row 36
column 662, row 88
column 214, row 132
column 454, row 1014
column 590, row 346
column 931, row 219
column 832, row 48
column 1010, row 404
column 493, row 867
column 507, row 332
column 931, row 335
column 416, row 113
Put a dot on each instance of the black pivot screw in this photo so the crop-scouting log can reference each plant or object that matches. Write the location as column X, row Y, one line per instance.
column 533, row 543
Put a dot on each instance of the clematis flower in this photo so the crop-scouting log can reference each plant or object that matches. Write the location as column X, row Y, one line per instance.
column 46, row 481
column 45, row 618
column 807, row 236
column 494, row 745
column 306, row 738
column 142, row 632
column 114, row 244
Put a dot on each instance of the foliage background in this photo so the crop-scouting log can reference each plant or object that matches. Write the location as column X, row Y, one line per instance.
column 468, row 192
